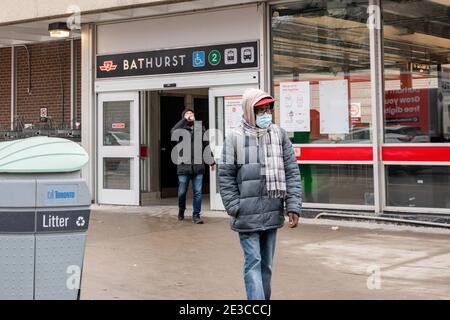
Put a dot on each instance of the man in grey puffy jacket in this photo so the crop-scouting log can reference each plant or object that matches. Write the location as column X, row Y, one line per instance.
column 259, row 182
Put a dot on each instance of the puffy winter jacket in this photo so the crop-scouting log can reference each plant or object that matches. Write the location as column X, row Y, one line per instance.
column 243, row 187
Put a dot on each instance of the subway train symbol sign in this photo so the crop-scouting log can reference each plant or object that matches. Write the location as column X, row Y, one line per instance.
column 230, row 56
column 108, row 66
column 247, row 55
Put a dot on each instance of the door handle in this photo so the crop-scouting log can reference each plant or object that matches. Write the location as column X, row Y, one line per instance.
column 163, row 149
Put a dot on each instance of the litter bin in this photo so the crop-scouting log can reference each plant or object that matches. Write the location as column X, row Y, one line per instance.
column 44, row 218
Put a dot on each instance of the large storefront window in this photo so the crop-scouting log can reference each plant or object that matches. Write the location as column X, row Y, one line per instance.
column 321, row 70
column 417, row 71
column 418, row 186
column 337, row 184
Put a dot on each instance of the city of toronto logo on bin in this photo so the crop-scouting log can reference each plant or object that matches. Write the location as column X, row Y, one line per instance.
column 54, row 194
column 108, row 66
column 80, row 222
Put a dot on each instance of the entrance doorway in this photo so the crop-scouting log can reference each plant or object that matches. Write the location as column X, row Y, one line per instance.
column 134, row 145
column 217, row 108
column 118, row 148
column 171, row 104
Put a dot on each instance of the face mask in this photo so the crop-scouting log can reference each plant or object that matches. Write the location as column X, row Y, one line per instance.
column 264, row 121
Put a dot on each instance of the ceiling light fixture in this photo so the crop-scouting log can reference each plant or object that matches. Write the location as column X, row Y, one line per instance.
column 58, row 30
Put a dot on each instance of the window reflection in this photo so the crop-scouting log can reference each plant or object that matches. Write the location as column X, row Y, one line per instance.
column 338, row 184
column 326, row 45
column 417, row 71
column 116, row 123
column 116, row 173
column 418, row 186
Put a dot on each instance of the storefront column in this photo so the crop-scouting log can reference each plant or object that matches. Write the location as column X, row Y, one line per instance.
column 13, row 86
column 377, row 90
column 88, row 118
column 264, row 52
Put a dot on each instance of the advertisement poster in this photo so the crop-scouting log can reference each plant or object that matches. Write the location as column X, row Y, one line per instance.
column 407, row 107
column 334, row 107
column 295, row 104
column 233, row 112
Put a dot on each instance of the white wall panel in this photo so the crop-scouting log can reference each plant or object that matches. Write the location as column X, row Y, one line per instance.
column 186, row 30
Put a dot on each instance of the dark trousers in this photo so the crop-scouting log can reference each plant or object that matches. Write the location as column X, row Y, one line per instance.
column 183, row 184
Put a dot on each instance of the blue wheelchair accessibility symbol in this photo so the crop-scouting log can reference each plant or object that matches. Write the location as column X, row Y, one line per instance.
column 198, row 59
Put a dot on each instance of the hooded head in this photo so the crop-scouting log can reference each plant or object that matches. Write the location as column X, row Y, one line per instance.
column 186, row 110
column 250, row 98
column 190, row 122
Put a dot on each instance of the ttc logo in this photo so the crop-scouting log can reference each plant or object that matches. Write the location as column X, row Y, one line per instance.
column 108, row 66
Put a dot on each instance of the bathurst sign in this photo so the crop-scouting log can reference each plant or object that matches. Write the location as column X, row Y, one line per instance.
column 193, row 59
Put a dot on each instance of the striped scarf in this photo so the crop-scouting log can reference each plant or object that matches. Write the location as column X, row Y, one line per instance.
column 273, row 166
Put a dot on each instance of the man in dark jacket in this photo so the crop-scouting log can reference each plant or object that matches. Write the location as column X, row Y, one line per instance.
column 190, row 163
column 258, row 178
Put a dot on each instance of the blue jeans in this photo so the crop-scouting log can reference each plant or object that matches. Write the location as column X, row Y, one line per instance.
column 183, row 184
column 259, row 248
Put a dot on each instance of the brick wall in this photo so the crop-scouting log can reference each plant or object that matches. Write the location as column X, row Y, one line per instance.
column 50, row 78
column 5, row 88
column 50, row 83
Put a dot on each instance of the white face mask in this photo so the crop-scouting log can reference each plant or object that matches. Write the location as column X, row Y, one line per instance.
column 264, row 120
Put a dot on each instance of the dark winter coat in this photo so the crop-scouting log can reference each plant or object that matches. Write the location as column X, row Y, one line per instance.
column 244, row 193
column 192, row 165
column 242, row 184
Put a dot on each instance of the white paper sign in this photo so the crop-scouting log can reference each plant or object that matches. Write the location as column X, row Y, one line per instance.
column 295, row 103
column 233, row 112
column 334, row 113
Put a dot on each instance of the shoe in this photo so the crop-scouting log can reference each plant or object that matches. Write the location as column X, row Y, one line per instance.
column 180, row 216
column 197, row 220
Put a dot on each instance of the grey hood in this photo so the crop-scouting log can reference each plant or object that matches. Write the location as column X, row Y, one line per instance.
column 249, row 99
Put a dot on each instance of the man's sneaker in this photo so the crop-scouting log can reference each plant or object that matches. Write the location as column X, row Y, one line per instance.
column 197, row 220
column 180, row 216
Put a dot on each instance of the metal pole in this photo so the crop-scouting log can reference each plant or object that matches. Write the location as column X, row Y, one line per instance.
column 72, row 85
column 13, row 86
column 377, row 100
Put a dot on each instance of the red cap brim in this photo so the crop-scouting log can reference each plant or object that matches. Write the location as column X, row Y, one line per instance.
column 264, row 101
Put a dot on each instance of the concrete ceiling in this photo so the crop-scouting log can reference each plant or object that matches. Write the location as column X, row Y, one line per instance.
column 37, row 31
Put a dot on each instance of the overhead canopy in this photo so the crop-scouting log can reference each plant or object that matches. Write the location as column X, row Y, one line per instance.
column 41, row 155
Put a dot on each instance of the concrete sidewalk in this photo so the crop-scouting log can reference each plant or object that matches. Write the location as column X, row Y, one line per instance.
column 145, row 253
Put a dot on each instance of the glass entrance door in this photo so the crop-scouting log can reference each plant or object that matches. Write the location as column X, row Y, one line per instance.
column 225, row 114
column 118, row 148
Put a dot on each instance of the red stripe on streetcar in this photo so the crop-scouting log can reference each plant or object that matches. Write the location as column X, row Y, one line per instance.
column 334, row 153
column 394, row 153
column 430, row 154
